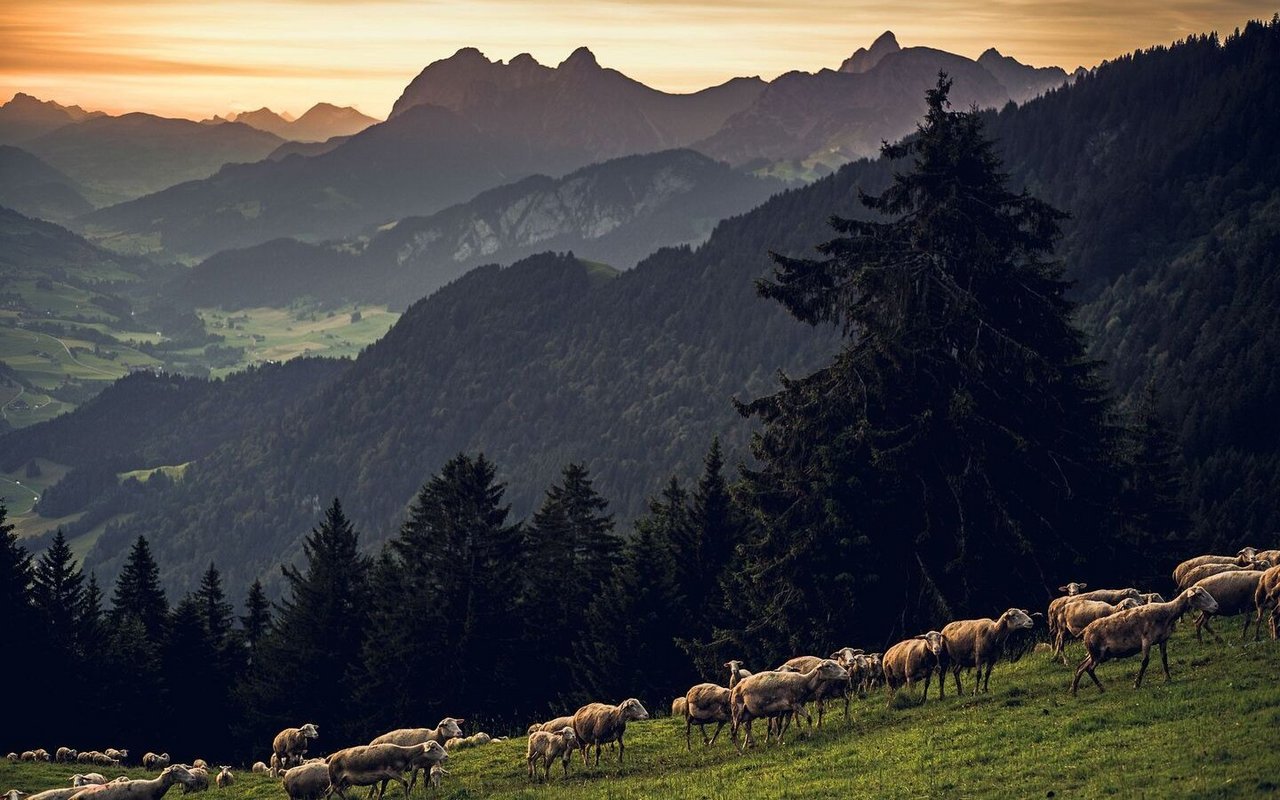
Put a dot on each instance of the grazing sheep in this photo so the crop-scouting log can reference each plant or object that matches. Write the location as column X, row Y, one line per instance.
column 553, row 725
column 88, row 779
column 1134, row 631
column 307, row 782
column 1077, row 615
column 677, row 707
column 154, row 761
column 65, row 755
column 260, row 768
column 772, row 695
column 102, row 759
column 978, row 643
column 601, row 723
column 736, row 672
column 912, row 659
column 547, row 747
column 224, row 778
column 27, row 755
column 118, row 755
column 705, row 703
column 197, row 780
column 378, row 764
column 1265, row 598
column 438, row 772
column 152, row 789
column 1234, row 593
column 291, row 743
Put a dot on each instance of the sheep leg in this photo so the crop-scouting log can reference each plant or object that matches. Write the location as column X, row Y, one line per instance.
column 688, row 730
column 1257, row 624
column 1205, row 616
column 986, row 680
column 927, row 679
column 413, row 778
column 621, row 747
column 1086, row 666
column 1164, row 661
column 564, row 762
column 1245, row 634
column 1146, row 658
column 719, row 725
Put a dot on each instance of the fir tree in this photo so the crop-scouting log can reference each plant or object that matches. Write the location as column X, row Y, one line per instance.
column 957, row 454
column 58, row 594
column 191, row 669
column 216, row 612
column 1151, row 506
column 19, row 623
column 257, row 616
column 138, row 592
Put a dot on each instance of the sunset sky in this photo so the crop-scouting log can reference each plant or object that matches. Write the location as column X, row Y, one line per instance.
column 195, row 59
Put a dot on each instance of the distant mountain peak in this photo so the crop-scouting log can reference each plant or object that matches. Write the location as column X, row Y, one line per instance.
column 524, row 60
column 990, row 53
column 582, row 58
column 864, row 59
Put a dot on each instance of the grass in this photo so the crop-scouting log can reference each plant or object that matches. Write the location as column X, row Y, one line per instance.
column 1212, row 733
column 279, row 334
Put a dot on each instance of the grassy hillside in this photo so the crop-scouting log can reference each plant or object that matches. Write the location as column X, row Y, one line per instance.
column 1213, row 732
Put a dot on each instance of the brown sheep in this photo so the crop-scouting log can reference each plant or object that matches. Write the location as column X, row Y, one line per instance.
column 827, row 689
column 1240, row 559
column 913, row 659
column 307, row 782
column 1265, row 598
column 705, row 703
column 290, row 744
column 1196, row 574
column 1134, row 631
column 979, row 643
column 65, row 755
column 777, row 695
column 1054, row 616
column 449, row 728
column 118, row 755
column 677, row 707
column 601, row 723
column 224, row 777
column 547, row 746
column 1234, row 593
column 1076, row 616
column 152, row 789
column 260, row 768
column 197, row 780
column 551, row 726
column 154, row 761
column 736, row 672
column 378, row 764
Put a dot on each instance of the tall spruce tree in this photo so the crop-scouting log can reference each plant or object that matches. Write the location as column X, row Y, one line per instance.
column 138, row 592
column 19, row 624
column 1155, row 521
column 58, row 595
column 956, row 456
column 257, row 617
column 190, row 664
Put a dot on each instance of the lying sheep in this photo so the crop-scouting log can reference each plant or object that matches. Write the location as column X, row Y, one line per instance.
column 1266, row 598
column 379, row 764
column 1134, row 631
column 224, row 778
column 978, row 643
column 307, row 782
column 914, row 659
column 200, row 763
column 14, row 757
column 152, row 789
column 14, row 794
column 65, row 755
column 771, row 695
column 260, row 768
column 1077, row 615
column 290, row 744
column 88, row 779
column 601, row 723
column 1234, row 592
column 547, row 747
column 705, row 703
column 437, row 775
column 154, row 761
column 736, row 672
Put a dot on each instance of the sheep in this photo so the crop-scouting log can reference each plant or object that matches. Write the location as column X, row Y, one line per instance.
column 65, row 755
column 197, row 780
column 678, row 707
column 438, row 772
column 448, row 728
column 600, row 723
column 777, row 694
column 260, row 768
column 154, row 761
column 1234, row 593
column 14, row 794
column 13, row 757
column 224, row 778
column 978, row 643
column 152, row 789
column 826, row 690
column 200, row 763
column 291, row 743
column 121, row 779
column 307, row 782
column 118, row 755
column 1021, row 642
column 1265, row 598
column 456, row 743
column 62, row 794
column 1134, row 631
column 87, row 779
column 547, row 747
column 1239, row 559
column 1196, row 574
column 736, row 672
column 1077, row 615
column 27, row 755
column 378, row 764
column 1054, row 617
column 705, row 703
column 102, row 759
column 912, row 659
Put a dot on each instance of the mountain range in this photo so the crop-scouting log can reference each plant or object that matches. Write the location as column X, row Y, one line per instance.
column 319, row 123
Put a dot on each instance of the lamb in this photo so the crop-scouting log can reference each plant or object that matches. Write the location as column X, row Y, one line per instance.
column 152, row 789
column 437, row 775
column 777, row 694
column 1134, row 631
column 547, row 747
column 912, row 659
column 225, row 778
column 88, row 779
column 154, row 761
column 367, row 765
column 1234, row 593
column 1077, row 615
column 978, row 643
column 1265, row 598
column 307, row 782
column 677, row 707
column 705, row 703
column 600, row 723
column 736, row 672
column 65, row 755
column 291, row 743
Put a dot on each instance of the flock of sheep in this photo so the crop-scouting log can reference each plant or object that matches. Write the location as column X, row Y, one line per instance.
column 1113, row 624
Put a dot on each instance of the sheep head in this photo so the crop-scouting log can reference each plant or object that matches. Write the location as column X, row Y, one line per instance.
column 934, row 641
column 450, row 728
column 14, row 794
column 310, row 730
column 846, row 655
column 734, row 665
column 1017, row 619
column 1201, row 599
column 568, row 735
column 1128, row 602
column 631, row 709
column 829, row 670
column 1245, row 554
column 1073, row 588
column 1151, row 597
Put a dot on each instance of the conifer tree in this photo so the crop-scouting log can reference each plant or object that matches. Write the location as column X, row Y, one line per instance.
column 215, row 611
column 138, row 592
column 704, row 544
column 257, row 616
column 190, row 664
column 1151, row 506
column 91, row 627
column 956, row 456
column 58, row 594
column 19, row 623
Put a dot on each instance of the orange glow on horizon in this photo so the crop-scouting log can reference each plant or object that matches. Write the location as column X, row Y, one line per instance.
column 189, row 59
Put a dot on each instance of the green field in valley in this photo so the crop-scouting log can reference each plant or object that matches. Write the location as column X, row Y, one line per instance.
column 279, row 334
column 1214, row 732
